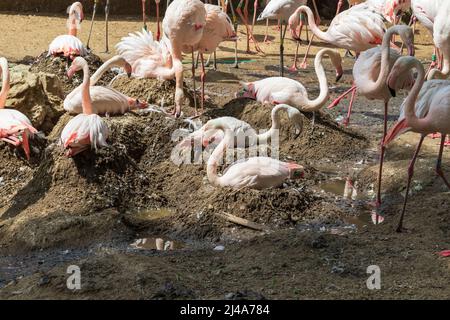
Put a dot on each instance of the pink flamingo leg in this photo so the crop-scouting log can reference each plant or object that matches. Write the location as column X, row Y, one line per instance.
column 342, row 96
column 202, row 79
column 339, row 6
column 249, row 32
column 382, row 152
column 158, row 30
column 144, row 16
column 255, row 8
column 266, row 35
column 304, row 64
column 410, row 176
column 294, row 65
column 350, row 107
column 439, row 162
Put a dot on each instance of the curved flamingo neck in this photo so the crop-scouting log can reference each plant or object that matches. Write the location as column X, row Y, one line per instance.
column 380, row 83
column 213, row 161
column 276, row 123
column 417, row 125
column 5, row 82
column 86, row 101
column 312, row 24
column 114, row 61
column 72, row 22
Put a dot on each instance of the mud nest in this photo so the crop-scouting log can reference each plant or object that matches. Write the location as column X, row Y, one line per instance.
column 59, row 65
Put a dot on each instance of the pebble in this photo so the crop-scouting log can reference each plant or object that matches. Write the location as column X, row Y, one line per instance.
column 219, row 248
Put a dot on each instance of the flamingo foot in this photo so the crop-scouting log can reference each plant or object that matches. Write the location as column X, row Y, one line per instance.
column 266, row 40
column 447, row 143
column 346, row 122
column 293, row 68
column 435, row 135
column 304, row 65
column 445, row 253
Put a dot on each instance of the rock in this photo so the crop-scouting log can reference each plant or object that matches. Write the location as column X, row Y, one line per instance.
column 37, row 95
column 219, row 248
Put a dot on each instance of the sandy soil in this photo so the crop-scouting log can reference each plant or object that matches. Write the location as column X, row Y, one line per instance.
column 55, row 212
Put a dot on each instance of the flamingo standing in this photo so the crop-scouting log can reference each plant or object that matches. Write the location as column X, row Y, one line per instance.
column 15, row 127
column 86, row 129
column 104, row 100
column 370, row 73
column 254, row 172
column 281, row 10
column 356, row 29
column 423, row 113
column 69, row 45
column 276, row 90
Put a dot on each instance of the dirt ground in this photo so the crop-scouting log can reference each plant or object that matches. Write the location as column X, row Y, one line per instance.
column 309, row 241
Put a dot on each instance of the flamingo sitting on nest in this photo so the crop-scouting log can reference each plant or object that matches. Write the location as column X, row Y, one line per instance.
column 425, row 110
column 243, row 129
column 104, row 100
column 86, row 129
column 15, row 127
column 255, row 172
column 276, row 90
column 69, row 45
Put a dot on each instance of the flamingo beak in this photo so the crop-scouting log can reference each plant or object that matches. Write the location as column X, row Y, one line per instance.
column 411, row 50
column 70, row 73
column 392, row 91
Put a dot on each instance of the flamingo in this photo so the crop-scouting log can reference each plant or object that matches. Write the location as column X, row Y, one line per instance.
column 281, row 10
column 15, row 127
column 356, row 29
column 144, row 18
column 104, row 100
column 426, row 11
column 276, row 90
column 351, row 3
column 254, row 172
column 86, row 129
column 370, row 72
column 423, row 113
column 69, row 45
column 441, row 37
column 242, row 129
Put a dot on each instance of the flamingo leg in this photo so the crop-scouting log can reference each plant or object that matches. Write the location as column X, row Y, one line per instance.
column 107, row 27
column 193, row 81
column 266, row 34
column 158, row 30
column 339, row 6
column 294, row 65
column 282, row 35
column 382, row 152
column 202, row 78
column 215, row 60
column 410, row 176
column 26, row 143
column 255, row 8
column 236, row 25
column 144, row 15
column 350, row 107
column 342, row 96
column 249, row 32
column 92, row 22
column 12, row 140
column 439, row 161
column 304, row 64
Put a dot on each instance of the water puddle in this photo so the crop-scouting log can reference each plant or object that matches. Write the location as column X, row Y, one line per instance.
column 157, row 243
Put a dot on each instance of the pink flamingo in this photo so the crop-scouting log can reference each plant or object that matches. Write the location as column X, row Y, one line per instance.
column 15, row 127
column 423, row 113
column 104, row 100
column 357, row 29
column 144, row 18
column 86, row 129
column 281, row 10
column 254, row 172
column 370, row 73
column 426, row 11
column 69, row 45
column 276, row 90
column 243, row 129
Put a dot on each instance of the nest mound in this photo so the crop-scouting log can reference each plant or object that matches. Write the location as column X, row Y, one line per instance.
column 58, row 66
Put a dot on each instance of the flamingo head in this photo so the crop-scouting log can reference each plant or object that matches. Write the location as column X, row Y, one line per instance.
column 76, row 9
column 77, row 64
column 296, row 171
column 407, row 35
column 396, row 76
column 247, row 91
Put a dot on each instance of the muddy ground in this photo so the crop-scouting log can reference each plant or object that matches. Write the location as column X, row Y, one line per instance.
column 307, row 241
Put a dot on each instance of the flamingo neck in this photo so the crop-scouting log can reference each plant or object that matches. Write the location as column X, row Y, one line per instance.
column 103, row 68
column 216, row 156
column 416, row 124
column 86, row 92
column 5, row 82
column 72, row 23
column 312, row 24
column 380, row 83
column 276, row 123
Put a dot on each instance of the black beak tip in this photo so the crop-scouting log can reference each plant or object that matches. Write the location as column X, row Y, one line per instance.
column 392, row 91
column 338, row 77
column 129, row 75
